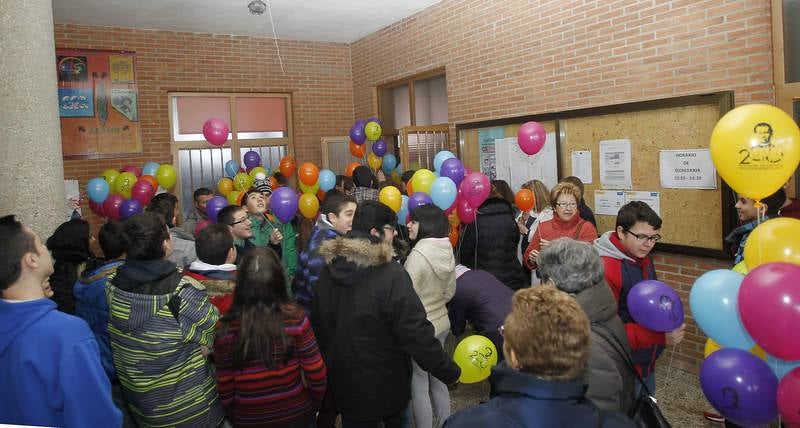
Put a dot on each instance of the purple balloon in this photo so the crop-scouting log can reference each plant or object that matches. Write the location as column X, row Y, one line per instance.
column 214, row 206
column 129, row 208
column 374, row 119
column 357, row 135
column 379, row 147
column 252, row 159
column 283, row 204
column 418, row 199
column 740, row 386
column 453, row 169
column 655, row 305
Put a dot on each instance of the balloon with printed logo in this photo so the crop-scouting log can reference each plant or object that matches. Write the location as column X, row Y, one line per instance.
column 440, row 157
column 374, row 161
column 110, row 175
column 308, row 173
column 97, row 189
column 283, row 204
column 422, row 180
column 350, row 168
column 235, row 197
column 327, row 180
column 418, row 199
column 357, row 150
column 357, row 135
column 789, row 397
column 531, row 137
column 287, row 166
column 97, row 208
column 655, row 306
column 475, row 188
column 133, row 169
column 712, row 346
column 402, row 214
column 124, row 183
column 150, row 179
column 251, row 159
column 466, row 212
column 372, row 130
column 308, row 205
column 129, row 208
column 242, row 182
column 258, row 173
column 150, row 168
column 313, row 189
column 214, row 206
column 475, row 355
column 756, row 149
column 714, row 304
column 453, row 169
column 379, row 147
column 391, row 197
column 775, row 240
column 143, row 192
column 215, row 131
column 111, row 206
column 443, row 192
column 389, row 163
column 224, row 186
column 231, row 168
column 524, row 200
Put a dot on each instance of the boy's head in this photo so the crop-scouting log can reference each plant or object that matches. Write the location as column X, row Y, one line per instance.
column 164, row 204
column 363, row 177
column 112, row 240
column 25, row 258
column 375, row 219
column 148, row 237
column 637, row 228
column 214, row 245
column 339, row 210
column 255, row 202
column 201, row 197
column 546, row 334
column 748, row 212
column 238, row 220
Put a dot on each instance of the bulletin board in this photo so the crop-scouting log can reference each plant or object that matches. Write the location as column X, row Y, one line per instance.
column 694, row 220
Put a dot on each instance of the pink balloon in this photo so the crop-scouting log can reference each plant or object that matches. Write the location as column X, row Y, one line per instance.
column 111, row 206
column 466, row 212
column 475, row 188
column 769, row 305
column 97, row 208
column 216, row 131
column 142, row 191
column 531, row 137
column 789, row 397
column 132, row 169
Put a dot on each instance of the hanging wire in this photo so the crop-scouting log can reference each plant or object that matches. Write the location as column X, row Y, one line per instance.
column 275, row 36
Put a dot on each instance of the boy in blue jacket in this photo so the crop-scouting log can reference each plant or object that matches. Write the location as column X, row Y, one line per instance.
column 49, row 361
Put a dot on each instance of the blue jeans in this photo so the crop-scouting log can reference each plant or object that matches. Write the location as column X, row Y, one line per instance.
column 399, row 420
column 650, row 381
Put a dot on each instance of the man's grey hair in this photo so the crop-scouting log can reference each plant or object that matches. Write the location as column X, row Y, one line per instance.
column 572, row 266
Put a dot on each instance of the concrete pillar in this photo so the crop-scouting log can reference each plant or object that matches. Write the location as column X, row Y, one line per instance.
column 31, row 165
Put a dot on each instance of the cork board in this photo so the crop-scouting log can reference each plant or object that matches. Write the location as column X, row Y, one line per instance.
column 470, row 149
column 691, row 217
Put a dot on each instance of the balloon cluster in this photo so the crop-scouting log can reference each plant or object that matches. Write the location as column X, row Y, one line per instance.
column 370, row 129
column 119, row 194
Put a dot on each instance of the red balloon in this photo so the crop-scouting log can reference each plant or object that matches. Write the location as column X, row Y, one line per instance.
column 132, row 169
column 111, row 206
column 97, row 208
column 142, row 191
column 150, row 179
column 216, row 131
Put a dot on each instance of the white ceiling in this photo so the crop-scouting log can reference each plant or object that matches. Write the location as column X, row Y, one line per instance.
column 342, row 21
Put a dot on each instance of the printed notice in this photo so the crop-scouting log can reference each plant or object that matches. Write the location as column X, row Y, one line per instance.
column 650, row 198
column 516, row 167
column 687, row 169
column 615, row 164
column 582, row 165
column 608, row 202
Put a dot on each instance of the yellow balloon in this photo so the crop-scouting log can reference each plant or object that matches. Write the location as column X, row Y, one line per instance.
column 233, row 197
column 308, row 189
column 110, row 175
column 422, row 180
column 774, row 240
column 308, row 205
column 372, row 130
column 756, row 148
column 242, row 181
column 225, row 186
column 712, row 346
column 123, row 184
column 476, row 355
column 258, row 173
column 391, row 197
column 166, row 176
column 741, row 268
column 374, row 161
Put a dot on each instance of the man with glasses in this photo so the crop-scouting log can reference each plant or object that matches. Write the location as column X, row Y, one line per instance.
column 625, row 252
column 241, row 228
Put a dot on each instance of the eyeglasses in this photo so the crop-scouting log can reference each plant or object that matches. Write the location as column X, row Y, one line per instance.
column 641, row 237
column 240, row 221
column 566, row 204
column 389, row 228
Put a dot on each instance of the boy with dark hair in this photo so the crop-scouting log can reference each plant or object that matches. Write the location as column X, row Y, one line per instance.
column 49, row 361
column 214, row 267
column 625, row 253
column 183, row 252
column 366, row 185
column 241, row 227
column 267, row 230
column 197, row 213
column 161, row 326
column 749, row 214
column 369, row 321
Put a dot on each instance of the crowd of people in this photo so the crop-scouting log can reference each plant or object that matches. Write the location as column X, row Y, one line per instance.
column 254, row 322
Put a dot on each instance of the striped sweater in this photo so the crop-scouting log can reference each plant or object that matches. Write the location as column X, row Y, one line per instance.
column 287, row 395
column 158, row 321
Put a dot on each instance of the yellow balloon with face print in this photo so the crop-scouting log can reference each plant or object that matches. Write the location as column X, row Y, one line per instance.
column 475, row 355
column 123, row 184
column 372, row 130
column 756, row 148
column 110, row 175
column 242, row 182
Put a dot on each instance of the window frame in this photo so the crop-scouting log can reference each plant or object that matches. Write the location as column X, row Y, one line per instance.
column 440, row 71
column 786, row 94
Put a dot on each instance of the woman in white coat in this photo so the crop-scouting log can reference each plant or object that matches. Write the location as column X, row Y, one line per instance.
column 431, row 266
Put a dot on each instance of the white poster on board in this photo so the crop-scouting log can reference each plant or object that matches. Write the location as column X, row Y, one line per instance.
column 687, row 169
column 608, row 202
column 582, row 165
column 650, row 198
column 516, row 167
column 615, row 164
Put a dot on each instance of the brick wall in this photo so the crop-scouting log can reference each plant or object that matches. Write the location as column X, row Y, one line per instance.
column 506, row 58
column 316, row 74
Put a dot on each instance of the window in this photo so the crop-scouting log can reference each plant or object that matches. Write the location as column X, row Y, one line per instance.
column 260, row 122
column 786, row 60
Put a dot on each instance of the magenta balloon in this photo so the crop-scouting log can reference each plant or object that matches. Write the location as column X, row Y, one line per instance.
column 97, row 208
column 531, row 137
column 655, row 306
column 132, row 169
column 475, row 188
column 111, row 206
column 216, row 131
column 465, row 211
column 214, row 206
column 252, row 159
column 142, row 191
column 789, row 397
column 283, row 204
column 129, row 208
column 769, row 304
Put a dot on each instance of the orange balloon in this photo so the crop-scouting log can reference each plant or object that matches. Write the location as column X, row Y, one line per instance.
column 524, row 199
column 273, row 182
column 321, row 195
column 409, row 188
column 150, row 179
column 357, row 150
column 453, row 235
column 350, row 168
column 453, row 218
column 287, row 166
column 308, row 173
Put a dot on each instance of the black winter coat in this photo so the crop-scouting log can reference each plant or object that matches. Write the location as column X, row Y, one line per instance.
column 495, row 249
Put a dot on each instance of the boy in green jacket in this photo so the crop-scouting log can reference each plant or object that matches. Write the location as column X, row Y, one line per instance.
column 267, row 230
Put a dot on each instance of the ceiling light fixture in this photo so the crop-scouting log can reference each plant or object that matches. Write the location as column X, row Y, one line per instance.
column 257, row 7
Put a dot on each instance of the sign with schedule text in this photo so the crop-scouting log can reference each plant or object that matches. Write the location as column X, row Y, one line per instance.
column 687, row 169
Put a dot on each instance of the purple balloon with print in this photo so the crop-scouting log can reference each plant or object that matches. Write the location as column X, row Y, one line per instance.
column 475, row 188
column 740, row 386
column 453, row 169
column 655, row 306
column 357, row 135
column 283, row 204
column 129, row 208
column 111, row 206
column 214, row 206
column 418, row 199
column 379, row 147
column 251, row 159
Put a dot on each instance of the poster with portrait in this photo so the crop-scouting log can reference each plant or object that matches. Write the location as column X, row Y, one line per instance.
column 98, row 103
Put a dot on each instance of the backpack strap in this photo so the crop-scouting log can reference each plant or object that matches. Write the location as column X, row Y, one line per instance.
column 619, row 348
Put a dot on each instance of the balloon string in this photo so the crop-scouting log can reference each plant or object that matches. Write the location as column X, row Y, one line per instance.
column 759, row 219
column 669, row 367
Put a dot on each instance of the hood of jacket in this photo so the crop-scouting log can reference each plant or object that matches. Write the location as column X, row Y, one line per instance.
column 142, row 288
column 16, row 317
column 606, row 248
column 598, row 302
column 438, row 253
column 507, row 381
column 350, row 259
column 177, row 232
column 89, row 277
column 496, row 206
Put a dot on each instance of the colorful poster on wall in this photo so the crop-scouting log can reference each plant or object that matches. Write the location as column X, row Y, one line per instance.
column 98, row 103
column 486, row 143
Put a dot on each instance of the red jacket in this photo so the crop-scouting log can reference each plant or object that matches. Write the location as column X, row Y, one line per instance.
column 575, row 228
column 219, row 287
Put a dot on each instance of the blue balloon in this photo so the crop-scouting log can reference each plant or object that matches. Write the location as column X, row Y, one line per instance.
column 443, row 192
column 714, row 303
column 231, row 168
column 781, row 367
column 399, row 168
column 440, row 158
column 150, row 168
column 327, row 180
column 402, row 215
column 97, row 189
column 389, row 163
